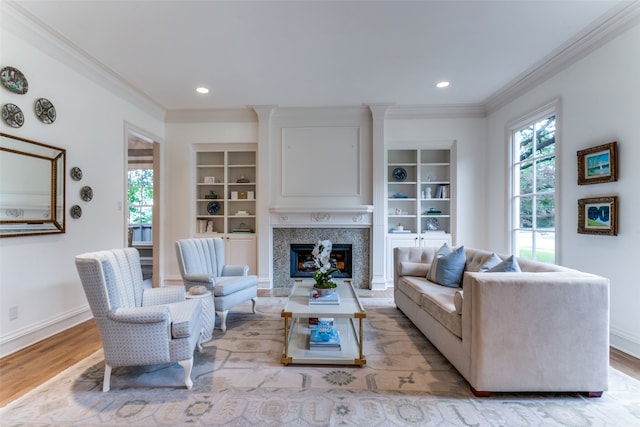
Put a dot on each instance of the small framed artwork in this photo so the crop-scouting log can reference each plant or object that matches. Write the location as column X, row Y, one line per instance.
column 598, row 215
column 598, row 164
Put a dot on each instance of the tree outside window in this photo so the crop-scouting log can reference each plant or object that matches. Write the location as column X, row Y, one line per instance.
column 140, row 196
column 534, row 199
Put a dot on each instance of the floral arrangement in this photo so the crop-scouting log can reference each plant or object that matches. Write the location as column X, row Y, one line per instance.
column 321, row 256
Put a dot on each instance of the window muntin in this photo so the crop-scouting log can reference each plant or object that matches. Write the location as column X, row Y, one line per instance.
column 534, row 189
column 140, row 197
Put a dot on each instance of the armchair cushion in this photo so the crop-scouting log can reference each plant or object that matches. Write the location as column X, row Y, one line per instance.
column 205, row 279
column 227, row 285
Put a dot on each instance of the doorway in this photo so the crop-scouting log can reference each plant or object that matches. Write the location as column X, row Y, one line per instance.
column 143, row 202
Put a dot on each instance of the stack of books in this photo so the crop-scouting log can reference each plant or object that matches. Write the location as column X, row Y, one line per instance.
column 323, row 335
column 327, row 299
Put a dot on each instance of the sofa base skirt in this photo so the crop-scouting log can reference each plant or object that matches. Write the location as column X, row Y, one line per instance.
column 447, row 343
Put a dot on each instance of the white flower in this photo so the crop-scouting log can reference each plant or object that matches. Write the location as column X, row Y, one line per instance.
column 322, row 258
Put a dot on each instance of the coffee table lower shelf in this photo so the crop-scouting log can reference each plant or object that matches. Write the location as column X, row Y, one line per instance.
column 296, row 346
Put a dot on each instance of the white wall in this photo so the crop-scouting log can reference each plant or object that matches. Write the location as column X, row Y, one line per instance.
column 178, row 218
column 37, row 273
column 471, row 164
column 600, row 103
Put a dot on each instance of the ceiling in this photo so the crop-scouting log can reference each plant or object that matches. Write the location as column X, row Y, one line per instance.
column 319, row 53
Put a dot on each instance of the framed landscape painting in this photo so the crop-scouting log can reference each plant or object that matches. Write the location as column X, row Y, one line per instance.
column 598, row 164
column 598, row 215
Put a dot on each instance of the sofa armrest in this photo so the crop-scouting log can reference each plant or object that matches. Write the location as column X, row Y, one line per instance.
column 410, row 255
column 537, row 331
column 235, row 270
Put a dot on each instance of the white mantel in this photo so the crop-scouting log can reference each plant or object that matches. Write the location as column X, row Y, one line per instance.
column 360, row 216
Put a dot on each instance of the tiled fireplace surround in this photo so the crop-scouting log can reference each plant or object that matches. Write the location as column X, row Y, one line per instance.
column 359, row 238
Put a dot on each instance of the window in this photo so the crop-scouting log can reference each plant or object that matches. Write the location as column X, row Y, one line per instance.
column 534, row 189
column 140, row 204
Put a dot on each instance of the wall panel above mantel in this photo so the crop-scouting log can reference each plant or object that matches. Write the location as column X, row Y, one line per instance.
column 321, row 161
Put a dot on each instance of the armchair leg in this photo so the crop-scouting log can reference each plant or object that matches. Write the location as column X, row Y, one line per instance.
column 106, row 383
column 223, row 319
column 253, row 303
column 187, row 365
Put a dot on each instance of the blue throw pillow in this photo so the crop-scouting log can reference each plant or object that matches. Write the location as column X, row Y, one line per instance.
column 490, row 263
column 444, row 250
column 447, row 270
column 508, row 265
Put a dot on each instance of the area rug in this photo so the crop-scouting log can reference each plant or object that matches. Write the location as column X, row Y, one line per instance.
column 239, row 381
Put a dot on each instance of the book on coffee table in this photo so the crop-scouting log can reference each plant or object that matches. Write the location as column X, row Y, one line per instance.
column 324, row 336
column 327, row 299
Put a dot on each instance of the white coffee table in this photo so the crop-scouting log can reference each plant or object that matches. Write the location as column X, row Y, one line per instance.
column 347, row 320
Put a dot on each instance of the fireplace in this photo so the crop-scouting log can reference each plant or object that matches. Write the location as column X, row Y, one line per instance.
column 283, row 238
column 301, row 262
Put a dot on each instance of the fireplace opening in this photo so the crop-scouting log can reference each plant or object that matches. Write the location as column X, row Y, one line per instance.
column 302, row 264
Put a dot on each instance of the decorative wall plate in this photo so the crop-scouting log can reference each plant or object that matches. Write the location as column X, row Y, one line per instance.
column 14, row 80
column 12, row 114
column 76, row 211
column 213, row 208
column 86, row 193
column 399, row 174
column 45, row 111
column 76, row 173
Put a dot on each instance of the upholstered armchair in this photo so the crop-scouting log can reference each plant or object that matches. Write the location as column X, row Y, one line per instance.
column 138, row 325
column 202, row 263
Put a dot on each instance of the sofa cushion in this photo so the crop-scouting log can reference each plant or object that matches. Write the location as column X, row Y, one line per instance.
column 457, row 301
column 447, row 270
column 414, row 287
column 418, row 269
column 438, row 303
column 508, row 265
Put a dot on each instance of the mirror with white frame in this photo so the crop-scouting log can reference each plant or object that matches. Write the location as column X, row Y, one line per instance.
column 32, row 187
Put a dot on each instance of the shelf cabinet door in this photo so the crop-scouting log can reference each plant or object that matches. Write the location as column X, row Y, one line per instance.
column 240, row 249
column 399, row 241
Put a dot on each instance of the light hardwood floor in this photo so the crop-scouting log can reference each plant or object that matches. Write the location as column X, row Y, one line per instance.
column 26, row 369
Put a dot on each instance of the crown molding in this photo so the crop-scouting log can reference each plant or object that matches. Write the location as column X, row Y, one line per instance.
column 620, row 19
column 459, row 111
column 37, row 33
column 216, row 115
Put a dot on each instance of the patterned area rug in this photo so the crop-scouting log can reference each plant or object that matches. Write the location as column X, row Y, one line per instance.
column 239, row 381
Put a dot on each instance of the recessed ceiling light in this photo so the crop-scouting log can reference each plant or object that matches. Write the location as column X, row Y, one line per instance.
column 441, row 85
column 202, row 90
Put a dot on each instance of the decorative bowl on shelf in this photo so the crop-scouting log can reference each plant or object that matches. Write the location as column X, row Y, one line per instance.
column 399, row 174
column 213, row 208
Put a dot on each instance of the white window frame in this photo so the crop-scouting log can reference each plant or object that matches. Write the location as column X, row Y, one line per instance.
column 550, row 109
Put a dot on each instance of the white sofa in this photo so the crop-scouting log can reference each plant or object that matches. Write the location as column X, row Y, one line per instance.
column 544, row 329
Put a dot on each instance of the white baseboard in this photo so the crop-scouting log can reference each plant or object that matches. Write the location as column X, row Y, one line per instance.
column 378, row 285
column 27, row 336
column 625, row 342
